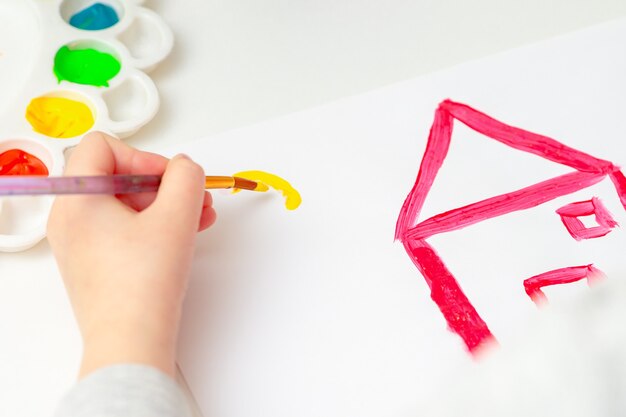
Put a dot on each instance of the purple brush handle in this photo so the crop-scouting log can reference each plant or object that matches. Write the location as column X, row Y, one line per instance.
column 105, row 184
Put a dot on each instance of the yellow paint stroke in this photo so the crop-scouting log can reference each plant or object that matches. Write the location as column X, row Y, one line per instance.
column 59, row 117
column 261, row 187
column 266, row 179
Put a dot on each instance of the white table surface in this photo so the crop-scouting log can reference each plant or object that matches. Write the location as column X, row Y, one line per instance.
column 237, row 62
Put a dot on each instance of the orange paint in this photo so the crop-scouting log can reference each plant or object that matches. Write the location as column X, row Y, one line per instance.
column 18, row 162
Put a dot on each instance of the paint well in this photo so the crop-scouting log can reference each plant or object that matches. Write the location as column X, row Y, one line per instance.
column 86, row 66
column 292, row 196
column 18, row 162
column 95, row 17
column 59, row 117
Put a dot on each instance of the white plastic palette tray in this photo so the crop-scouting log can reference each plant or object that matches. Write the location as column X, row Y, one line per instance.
column 31, row 34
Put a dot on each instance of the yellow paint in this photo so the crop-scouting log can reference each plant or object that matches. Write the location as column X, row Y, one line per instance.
column 260, row 187
column 266, row 179
column 59, row 117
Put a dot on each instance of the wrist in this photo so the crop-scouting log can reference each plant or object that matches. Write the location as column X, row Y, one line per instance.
column 147, row 342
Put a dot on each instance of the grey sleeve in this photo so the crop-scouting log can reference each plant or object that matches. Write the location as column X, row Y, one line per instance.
column 125, row 391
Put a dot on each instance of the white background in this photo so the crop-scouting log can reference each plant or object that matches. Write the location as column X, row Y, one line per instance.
column 238, row 62
column 318, row 312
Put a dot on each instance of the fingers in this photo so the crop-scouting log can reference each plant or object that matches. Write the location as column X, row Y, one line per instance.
column 181, row 197
column 92, row 156
column 208, row 216
column 182, row 187
column 100, row 154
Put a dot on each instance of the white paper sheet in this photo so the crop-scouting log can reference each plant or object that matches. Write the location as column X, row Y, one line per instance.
column 318, row 311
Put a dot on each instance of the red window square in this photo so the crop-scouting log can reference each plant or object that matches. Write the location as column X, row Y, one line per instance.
column 570, row 217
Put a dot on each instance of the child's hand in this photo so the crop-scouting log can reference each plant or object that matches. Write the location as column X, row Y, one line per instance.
column 125, row 260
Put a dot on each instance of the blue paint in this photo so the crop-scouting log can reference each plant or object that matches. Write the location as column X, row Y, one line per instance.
column 95, row 17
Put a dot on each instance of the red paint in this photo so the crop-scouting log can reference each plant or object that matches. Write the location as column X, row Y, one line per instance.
column 619, row 181
column 436, row 151
column 533, row 285
column 526, row 141
column 570, row 213
column 503, row 204
column 18, row 162
column 456, row 308
column 461, row 316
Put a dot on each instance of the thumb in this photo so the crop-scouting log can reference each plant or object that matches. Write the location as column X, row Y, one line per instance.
column 181, row 193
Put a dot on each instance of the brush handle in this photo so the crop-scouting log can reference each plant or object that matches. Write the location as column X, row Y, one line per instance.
column 105, row 184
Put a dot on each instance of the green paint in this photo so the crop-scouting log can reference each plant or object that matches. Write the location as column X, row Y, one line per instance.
column 85, row 66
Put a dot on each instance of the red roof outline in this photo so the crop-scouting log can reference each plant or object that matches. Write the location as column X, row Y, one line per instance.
column 589, row 170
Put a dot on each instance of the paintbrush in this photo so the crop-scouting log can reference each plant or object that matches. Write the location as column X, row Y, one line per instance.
column 108, row 184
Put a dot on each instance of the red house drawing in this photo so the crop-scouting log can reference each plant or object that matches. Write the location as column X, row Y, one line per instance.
column 458, row 311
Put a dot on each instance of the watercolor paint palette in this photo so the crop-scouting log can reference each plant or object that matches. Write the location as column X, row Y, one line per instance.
column 69, row 67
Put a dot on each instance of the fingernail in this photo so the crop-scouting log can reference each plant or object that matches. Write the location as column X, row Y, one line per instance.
column 182, row 156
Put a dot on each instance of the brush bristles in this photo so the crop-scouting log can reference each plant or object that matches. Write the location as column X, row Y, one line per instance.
column 238, row 183
column 244, row 184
